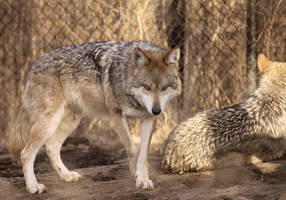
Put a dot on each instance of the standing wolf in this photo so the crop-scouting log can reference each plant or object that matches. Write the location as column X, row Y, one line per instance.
column 134, row 79
column 254, row 129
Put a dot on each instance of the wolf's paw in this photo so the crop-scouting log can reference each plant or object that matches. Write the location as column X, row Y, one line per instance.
column 142, row 178
column 37, row 188
column 71, row 176
column 145, row 184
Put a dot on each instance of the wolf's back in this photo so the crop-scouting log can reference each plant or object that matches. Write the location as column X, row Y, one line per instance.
column 196, row 142
column 19, row 133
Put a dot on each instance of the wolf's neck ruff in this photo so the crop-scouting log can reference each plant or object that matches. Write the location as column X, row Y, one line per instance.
column 267, row 112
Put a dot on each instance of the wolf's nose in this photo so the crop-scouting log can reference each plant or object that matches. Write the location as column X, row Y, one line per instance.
column 156, row 110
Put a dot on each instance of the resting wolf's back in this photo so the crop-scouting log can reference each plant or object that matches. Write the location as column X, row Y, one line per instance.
column 200, row 142
column 255, row 127
column 90, row 68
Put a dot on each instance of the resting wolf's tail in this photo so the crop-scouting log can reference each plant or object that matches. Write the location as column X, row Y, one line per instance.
column 19, row 133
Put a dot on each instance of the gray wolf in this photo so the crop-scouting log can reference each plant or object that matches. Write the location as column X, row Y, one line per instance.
column 118, row 79
column 251, row 131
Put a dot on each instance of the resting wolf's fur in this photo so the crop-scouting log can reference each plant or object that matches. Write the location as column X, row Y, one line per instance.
column 133, row 79
column 255, row 128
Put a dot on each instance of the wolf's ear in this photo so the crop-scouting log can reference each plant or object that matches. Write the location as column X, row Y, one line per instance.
column 173, row 56
column 263, row 63
column 141, row 56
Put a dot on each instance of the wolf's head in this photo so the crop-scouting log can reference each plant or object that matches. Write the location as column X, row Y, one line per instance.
column 273, row 75
column 155, row 78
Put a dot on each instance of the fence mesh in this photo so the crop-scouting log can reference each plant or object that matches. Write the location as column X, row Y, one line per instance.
column 219, row 41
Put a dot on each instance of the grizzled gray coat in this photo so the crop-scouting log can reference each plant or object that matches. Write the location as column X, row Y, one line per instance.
column 113, row 79
column 101, row 67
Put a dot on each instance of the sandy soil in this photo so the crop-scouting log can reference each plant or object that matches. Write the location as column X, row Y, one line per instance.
column 106, row 177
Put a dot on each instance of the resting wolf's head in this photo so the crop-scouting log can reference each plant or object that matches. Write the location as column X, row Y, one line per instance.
column 155, row 78
column 273, row 75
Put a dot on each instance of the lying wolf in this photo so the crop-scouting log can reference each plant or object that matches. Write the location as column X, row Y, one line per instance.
column 123, row 80
column 251, row 131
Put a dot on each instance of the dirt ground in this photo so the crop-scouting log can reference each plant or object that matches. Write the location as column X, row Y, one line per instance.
column 106, row 177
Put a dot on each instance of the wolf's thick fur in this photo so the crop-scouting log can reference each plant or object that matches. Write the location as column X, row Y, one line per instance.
column 133, row 79
column 254, row 129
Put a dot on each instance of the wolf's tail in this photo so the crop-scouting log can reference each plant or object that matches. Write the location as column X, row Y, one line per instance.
column 19, row 133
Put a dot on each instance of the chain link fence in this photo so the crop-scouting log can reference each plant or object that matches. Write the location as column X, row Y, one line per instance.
column 219, row 41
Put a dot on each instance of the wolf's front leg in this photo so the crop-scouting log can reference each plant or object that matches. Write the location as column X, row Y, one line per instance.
column 142, row 175
column 120, row 125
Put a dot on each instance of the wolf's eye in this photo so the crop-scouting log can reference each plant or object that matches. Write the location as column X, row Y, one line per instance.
column 165, row 87
column 146, row 87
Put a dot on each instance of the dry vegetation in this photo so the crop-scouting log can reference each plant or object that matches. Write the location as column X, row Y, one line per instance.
column 217, row 74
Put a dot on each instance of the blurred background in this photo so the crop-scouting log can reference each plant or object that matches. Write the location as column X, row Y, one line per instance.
column 219, row 42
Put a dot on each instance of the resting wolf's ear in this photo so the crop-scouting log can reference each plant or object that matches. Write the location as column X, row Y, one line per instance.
column 173, row 56
column 263, row 63
column 141, row 56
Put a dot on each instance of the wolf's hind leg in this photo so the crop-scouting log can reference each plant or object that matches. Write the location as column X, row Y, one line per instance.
column 41, row 131
column 53, row 146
